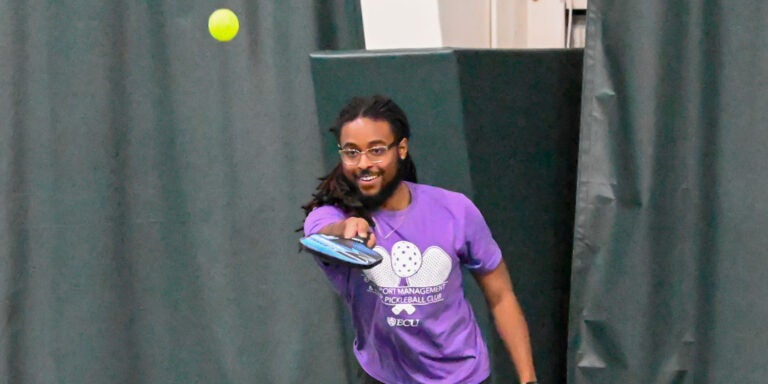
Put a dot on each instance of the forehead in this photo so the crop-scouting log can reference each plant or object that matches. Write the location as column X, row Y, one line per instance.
column 364, row 131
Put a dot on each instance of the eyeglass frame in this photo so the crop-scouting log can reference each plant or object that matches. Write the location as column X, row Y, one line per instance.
column 366, row 152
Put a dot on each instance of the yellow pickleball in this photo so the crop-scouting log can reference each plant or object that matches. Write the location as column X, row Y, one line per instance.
column 223, row 25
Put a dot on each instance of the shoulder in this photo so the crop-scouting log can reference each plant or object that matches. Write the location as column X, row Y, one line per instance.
column 440, row 195
column 436, row 199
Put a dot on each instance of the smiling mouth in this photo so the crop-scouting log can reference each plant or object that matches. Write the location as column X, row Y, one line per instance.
column 368, row 178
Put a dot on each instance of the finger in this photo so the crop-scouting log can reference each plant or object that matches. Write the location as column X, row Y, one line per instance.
column 362, row 231
column 371, row 240
column 350, row 229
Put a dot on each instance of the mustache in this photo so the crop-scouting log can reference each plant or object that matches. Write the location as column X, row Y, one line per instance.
column 366, row 172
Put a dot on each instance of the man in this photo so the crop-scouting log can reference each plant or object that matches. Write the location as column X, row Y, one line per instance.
column 412, row 322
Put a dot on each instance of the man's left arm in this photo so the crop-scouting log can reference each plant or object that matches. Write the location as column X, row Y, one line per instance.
column 509, row 319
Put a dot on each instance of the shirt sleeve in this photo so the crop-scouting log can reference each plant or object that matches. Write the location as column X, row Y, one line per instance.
column 320, row 217
column 483, row 253
column 337, row 274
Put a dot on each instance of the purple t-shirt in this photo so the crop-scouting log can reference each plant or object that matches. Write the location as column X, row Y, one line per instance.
column 412, row 322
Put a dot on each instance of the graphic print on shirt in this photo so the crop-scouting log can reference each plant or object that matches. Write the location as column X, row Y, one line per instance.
column 406, row 278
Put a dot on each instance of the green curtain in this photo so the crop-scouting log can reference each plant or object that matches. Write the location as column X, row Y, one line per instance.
column 669, row 265
column 150, row 188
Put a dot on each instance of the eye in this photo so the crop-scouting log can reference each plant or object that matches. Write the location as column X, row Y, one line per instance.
column 350, row 153
column 378, row 151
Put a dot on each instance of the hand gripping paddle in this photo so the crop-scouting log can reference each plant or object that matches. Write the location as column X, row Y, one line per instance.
column 352, row 252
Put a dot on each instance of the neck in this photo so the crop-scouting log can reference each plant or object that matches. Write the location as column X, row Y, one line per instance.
column 399, row 200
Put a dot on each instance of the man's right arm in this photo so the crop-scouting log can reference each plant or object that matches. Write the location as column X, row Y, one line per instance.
column 349, row 228
column 329, row 220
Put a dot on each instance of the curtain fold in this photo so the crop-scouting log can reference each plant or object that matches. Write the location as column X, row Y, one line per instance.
column 668, row 275
column 150, row 187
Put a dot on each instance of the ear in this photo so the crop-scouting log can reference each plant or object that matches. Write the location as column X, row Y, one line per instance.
column 402, row 148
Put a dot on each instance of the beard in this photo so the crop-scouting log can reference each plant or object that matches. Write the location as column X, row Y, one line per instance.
column 374, row 202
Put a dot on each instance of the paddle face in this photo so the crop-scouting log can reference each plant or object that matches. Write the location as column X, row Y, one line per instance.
column 341, row 251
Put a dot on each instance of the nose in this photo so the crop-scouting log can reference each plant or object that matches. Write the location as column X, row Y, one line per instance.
column 364, row 162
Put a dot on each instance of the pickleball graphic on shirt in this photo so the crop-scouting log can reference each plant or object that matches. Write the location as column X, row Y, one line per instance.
column 407, row 278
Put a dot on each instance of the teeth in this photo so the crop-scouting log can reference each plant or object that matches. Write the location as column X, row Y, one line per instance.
column 368, row 178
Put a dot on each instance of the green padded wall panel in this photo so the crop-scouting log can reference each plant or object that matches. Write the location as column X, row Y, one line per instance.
column 502, row 127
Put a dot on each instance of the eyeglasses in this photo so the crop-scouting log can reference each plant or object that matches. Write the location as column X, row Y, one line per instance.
column 351, row 156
